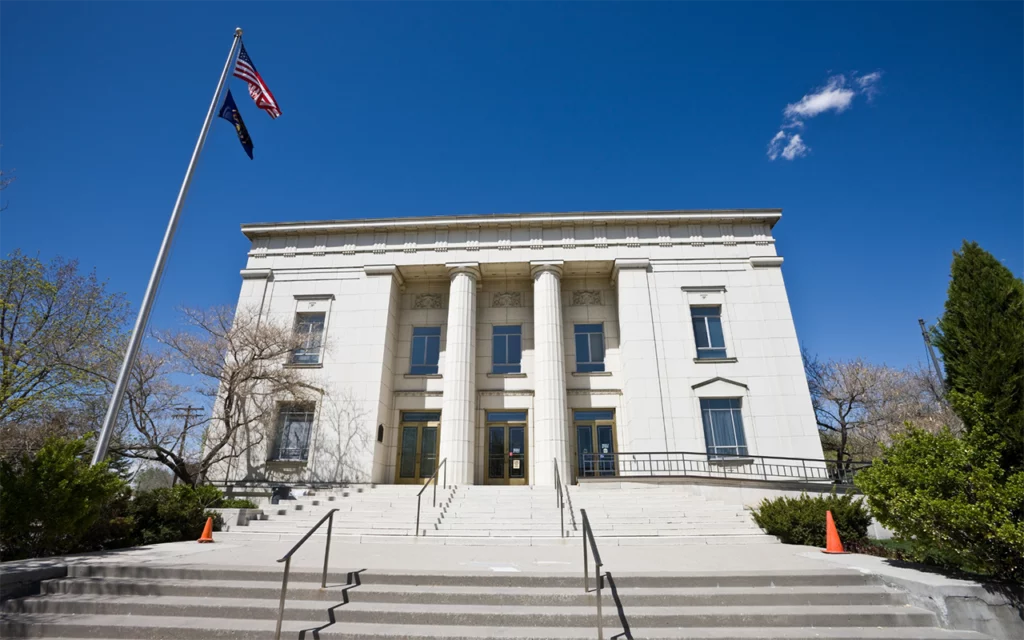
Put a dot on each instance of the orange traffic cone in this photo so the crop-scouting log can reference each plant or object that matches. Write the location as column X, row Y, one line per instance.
column 832, row 542
column 208, row 531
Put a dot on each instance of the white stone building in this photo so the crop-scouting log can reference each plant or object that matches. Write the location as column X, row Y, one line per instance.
column 507, row 343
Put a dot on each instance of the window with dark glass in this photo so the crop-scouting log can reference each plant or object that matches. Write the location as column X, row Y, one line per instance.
column 309, row 327
column 426, row 350
column 589, row 347
column 707, row 331
column 723, row 426
column 291, row 439
column 507, row 349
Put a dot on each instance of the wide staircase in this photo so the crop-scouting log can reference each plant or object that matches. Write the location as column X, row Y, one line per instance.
column 623, row 513
column 181, row 603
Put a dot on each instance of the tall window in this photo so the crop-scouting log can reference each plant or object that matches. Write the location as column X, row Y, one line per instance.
column 310, row 329
column 507, row 349
column 723, row 426
column 294, row 424
column 707, row 331
column 426, row 350
column 589, row 348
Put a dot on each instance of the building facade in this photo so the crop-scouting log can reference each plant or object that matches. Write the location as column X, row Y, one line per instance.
column 507, row 345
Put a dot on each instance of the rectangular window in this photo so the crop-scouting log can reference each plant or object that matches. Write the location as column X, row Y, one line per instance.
column 294, row 424
column 723, row 427
column 507, row 349
column 707, row 331
column 309, row 327
column 589, row 348
column 426, row 350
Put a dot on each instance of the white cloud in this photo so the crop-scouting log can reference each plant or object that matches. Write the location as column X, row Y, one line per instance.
column 834, row 95
column 837, row 95
column 867, row 84
column 787, row 146
column 775, row 146
column 795, row 149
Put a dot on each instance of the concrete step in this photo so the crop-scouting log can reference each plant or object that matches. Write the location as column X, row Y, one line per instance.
column 661, row 580
column 506, row 615
column 178, row 628
column 694, row 596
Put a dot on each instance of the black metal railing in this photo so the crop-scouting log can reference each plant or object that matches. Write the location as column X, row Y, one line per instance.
column 560, row 501
column 287, row 560
column 588, row 538
column 432, row 480
column 704, row 465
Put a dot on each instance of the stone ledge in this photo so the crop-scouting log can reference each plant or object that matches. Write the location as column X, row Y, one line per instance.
column 423, row 375
column 714, row 360
column 506, row 375
column 591, row 374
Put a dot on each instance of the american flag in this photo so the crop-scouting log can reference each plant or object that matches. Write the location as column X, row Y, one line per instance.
column 258, row 90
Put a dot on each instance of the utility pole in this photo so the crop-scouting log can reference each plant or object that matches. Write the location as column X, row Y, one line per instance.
column 186, row 413
column 931, row 352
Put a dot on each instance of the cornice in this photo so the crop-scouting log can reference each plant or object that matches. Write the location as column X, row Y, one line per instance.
column 771, row 216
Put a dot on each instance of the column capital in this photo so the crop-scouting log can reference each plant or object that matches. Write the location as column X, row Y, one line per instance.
column 472, row 269
column 540, row 266
column 385, row 270
column 629, row 263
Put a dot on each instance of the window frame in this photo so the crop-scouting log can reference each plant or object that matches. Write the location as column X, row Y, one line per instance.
column 305, row 351
column 589, row 365
column 425, row 368
column 712, row 351
column 739, row 447
column 284, row 410
column 504, row 338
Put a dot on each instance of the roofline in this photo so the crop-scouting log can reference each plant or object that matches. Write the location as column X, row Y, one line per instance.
column 251, row 230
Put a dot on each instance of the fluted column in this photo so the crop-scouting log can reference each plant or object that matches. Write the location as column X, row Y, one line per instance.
column 550, row 409
column 459, row 401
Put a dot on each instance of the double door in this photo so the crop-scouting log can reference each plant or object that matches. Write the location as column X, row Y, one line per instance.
column 595, row 444
column 506, row 448
column 417, row 453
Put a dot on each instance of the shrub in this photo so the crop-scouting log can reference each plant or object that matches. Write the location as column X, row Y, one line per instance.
column 174, row 513
column 237, row 503
column 802, row 520
column 951, row 499
column 50, row 501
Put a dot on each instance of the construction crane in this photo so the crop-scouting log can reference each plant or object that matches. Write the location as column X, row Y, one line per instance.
column 931, row 352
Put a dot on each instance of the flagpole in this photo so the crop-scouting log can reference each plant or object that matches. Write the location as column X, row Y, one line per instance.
column 138, row 333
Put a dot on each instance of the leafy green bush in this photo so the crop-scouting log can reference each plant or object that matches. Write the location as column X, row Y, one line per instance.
column 237, row 503
column 802, row 520
column 951, row 499
column 176, row 513
column 50, row 501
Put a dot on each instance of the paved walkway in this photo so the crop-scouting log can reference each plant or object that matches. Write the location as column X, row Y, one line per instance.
column 412, row 556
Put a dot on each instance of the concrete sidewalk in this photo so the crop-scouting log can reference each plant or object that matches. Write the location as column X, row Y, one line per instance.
column 413, row 556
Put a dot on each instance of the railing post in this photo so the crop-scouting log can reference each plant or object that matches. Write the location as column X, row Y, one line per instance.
column 650, row 465
column 284, row 590
column 600, row 621
column 419, row 499
column 327, row 550
column 803, row 463
column 435, row 491
column 586, row 570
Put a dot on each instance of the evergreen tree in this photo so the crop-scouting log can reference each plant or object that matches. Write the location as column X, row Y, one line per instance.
column 981, row 337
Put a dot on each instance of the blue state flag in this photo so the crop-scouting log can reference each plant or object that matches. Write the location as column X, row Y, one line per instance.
column 229, row 111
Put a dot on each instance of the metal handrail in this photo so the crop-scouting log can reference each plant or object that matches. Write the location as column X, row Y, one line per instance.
column 433, row 478
column 703, row 463
column 559, row 500
column 588, row 536
column 287, row 560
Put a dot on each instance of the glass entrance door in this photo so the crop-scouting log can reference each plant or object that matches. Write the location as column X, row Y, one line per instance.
column 595, row 442
column 417, row 446
column 506, row 447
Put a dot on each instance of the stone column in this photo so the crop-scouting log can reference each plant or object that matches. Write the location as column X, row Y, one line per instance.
column 459, row 401
column 550, row 408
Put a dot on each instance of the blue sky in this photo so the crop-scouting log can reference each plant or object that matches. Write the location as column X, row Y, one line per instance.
column 395, row 109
